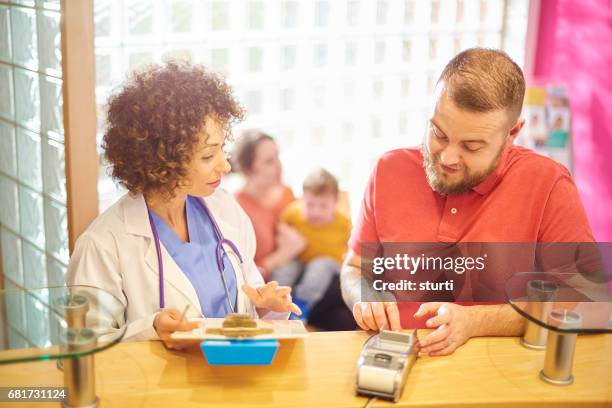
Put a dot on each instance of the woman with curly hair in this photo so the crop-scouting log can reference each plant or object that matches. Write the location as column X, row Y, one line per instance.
column 175, row 238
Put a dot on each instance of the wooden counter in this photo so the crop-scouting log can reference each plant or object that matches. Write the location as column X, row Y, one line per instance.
column 320, row 371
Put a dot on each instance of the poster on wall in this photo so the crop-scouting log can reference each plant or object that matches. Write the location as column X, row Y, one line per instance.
column 547, row 123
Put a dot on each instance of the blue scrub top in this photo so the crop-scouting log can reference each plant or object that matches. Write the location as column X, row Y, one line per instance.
column 197, row 259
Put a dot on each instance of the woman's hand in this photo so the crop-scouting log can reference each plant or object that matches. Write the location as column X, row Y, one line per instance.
column 168, row 321
column 289, row 240
column 272, row 297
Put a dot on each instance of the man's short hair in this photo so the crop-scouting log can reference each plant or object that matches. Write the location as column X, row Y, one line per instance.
column 319, row 182
column 484, row 80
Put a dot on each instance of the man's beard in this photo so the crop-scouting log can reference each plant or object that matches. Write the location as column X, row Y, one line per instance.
column 468, row 182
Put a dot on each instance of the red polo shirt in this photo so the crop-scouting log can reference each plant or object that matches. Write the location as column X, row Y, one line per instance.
column 528, row 198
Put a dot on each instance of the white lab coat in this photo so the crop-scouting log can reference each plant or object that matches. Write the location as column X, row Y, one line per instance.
column 117, row 253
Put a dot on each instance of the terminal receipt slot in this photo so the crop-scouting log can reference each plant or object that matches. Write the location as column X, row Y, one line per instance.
column 384, row 364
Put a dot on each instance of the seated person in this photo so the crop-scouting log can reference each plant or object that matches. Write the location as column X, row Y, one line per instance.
column 176, row 239
column 326, row 231
column 264, row 197
column 466, row 183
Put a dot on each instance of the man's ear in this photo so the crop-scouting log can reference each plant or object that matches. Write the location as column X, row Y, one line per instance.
column 514, row 132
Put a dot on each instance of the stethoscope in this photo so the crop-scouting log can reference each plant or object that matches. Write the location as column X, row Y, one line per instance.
column 219, row 250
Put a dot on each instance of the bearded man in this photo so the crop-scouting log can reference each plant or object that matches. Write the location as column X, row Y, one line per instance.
column 466, row 183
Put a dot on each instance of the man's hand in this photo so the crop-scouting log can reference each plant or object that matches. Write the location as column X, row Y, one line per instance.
column 377, row 315
column 454, row 325
column 272, row 297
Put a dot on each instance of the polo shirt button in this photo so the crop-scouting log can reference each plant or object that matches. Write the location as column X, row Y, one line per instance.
column 453, row 210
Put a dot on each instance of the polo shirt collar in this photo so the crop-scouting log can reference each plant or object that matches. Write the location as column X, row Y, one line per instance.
column 492, row 179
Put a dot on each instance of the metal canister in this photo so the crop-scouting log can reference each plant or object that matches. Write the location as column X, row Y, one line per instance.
column 559, row 357
column 79, row 373
column 73, row 308
column 540, row 295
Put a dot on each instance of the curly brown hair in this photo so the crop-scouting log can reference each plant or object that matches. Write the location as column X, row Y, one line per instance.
column 154, row 120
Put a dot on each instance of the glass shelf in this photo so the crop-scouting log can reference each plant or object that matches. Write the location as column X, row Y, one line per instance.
column 563, row 302
column 58, row 322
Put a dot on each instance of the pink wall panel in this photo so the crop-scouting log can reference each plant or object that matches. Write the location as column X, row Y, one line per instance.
column 574, row 47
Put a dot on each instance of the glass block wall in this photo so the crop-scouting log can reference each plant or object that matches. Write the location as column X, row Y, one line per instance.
column 33, row 221
column 337, row 82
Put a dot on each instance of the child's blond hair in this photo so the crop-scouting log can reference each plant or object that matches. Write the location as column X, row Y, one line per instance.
column 319, row 182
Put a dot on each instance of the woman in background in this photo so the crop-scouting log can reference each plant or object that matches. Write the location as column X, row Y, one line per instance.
column 264, row 197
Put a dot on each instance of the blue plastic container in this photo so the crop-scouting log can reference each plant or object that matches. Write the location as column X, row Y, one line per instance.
column 239, row 352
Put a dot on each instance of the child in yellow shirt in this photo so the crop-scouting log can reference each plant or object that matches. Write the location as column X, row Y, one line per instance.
column 326, row 231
